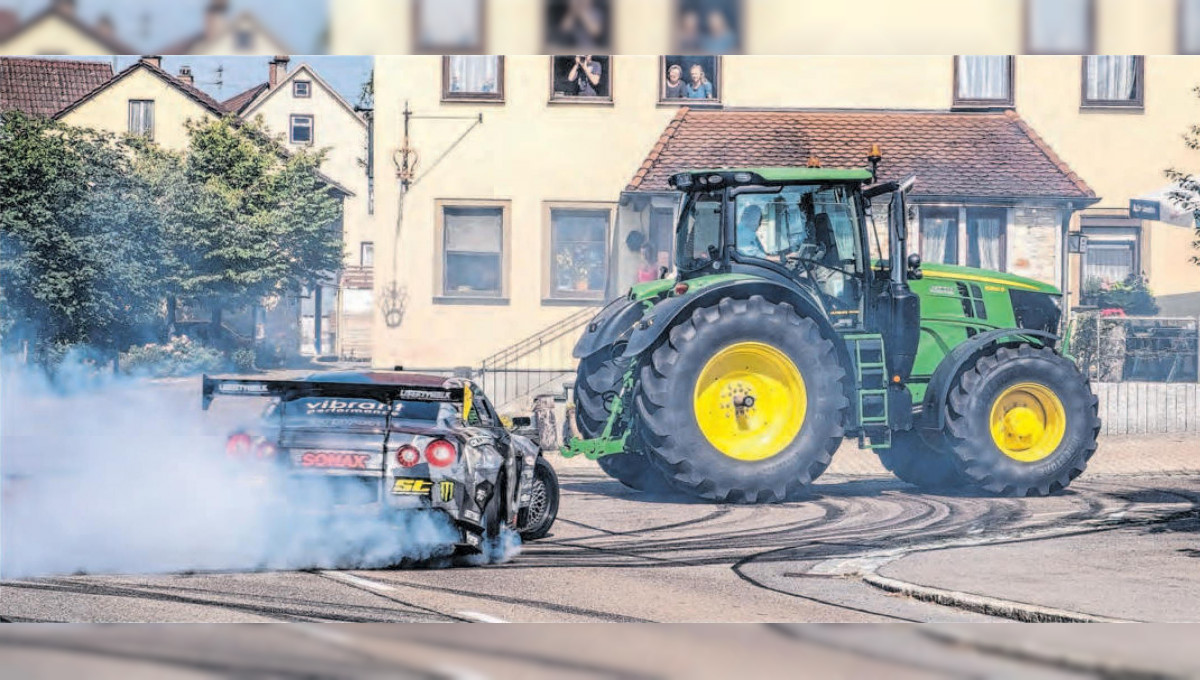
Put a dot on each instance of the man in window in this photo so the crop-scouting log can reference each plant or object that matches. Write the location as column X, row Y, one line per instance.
column 586, row 75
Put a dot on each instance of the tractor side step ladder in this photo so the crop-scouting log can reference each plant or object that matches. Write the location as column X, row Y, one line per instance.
column 870, row 390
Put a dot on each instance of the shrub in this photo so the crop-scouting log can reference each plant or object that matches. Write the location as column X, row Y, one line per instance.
column 177, row 357
column 243, row 360
column 1132, row 295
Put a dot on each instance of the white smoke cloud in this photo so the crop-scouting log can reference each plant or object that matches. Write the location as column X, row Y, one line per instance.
column 103, row 475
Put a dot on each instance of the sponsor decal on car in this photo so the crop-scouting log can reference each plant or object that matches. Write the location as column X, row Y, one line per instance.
column 354, row 406
column 446, row 491
column 332, row 459
column 425, row 395
column 412, row 487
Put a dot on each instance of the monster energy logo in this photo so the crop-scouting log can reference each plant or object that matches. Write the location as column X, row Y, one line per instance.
column 446, row 491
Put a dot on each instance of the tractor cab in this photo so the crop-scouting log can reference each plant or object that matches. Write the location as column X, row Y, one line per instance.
column 811, row 228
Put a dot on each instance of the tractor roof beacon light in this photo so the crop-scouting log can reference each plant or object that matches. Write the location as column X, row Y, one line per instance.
column 814, row 162
column 874, row 157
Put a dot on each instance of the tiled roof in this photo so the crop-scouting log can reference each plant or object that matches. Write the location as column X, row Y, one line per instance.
column 240, row 101
column 951, row 154
column 44, row 87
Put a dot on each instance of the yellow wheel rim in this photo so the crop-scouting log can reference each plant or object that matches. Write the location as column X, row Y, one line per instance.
column 750, row 401
column 1028, row 422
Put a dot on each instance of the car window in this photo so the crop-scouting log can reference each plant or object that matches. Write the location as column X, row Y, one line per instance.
column 487, row 414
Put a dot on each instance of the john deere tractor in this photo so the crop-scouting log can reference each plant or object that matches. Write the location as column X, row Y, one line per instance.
column 794, row 321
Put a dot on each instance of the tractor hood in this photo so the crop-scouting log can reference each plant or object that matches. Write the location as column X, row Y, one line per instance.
column 986, row 277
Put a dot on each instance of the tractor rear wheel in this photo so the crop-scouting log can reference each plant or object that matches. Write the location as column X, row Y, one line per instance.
column 743, row 402
column 597, row 381
column 1022, row 421
column 916, row 461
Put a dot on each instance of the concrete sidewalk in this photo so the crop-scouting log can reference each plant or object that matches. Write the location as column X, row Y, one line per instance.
column 1145, row 572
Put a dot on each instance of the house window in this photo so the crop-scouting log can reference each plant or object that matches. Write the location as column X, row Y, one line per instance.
column 1189, row 27
column 1059, row 26
column 939, row 235
column 366, row 253
column 1113, row 251
column 472, row 238
column 578, row 263
column 441, row 26
column 473, row 78
column 302, row 129
column 708, row 26
column 581, row 79
column 690, row 80
column 141, row 118
column 577, row 25
column 983, row 80
column 244, row 39
column 987, row 238
column 301, row 89
column 1113, row 81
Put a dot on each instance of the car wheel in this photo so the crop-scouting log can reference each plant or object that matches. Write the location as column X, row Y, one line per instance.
column 539, row 516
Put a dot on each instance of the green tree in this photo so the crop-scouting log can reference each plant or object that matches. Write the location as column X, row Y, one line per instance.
column 245, row 220
column 79, row 238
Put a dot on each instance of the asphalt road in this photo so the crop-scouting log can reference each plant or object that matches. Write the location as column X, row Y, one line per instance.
column 614, row 555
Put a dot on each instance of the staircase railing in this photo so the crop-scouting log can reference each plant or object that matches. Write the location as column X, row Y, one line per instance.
column 534, row 365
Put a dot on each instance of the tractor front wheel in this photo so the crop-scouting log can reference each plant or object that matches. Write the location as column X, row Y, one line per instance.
column 597, row 381
column 743, row 402
column 1022, row 421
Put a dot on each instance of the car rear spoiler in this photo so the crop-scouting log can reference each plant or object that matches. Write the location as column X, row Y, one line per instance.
column 240, row 387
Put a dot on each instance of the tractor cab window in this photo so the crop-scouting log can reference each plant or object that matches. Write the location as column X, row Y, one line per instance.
column 699, row 236
column 811, row 230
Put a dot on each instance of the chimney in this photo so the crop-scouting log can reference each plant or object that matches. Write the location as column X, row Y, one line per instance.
column 154, row 60
column 65, row 7
column 104, row 26
column 215, row 16
column 185, row 74
column 278, row 70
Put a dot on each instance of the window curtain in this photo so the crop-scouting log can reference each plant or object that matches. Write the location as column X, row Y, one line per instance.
column 983, row 77
column 939, row 240
column 988, row 242
column 474, row 73
column 1190, row 43
column 1112, row 78
column 1059, row 26
column 1109, row 262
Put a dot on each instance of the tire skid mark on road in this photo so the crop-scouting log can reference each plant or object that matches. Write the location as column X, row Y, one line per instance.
column 508, row 599
column 716, row 514
column 360, row 583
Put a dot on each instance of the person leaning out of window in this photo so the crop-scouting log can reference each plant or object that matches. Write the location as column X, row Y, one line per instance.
column 585, row 75
column 699, row 86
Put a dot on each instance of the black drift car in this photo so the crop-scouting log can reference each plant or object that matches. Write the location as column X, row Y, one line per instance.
column 386, row 441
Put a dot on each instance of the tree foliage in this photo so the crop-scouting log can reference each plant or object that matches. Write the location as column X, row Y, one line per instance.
column 97, row 230
column 79, row 238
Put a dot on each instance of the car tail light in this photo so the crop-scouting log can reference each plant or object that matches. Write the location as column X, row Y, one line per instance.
column 440, row 453
column 265, row 450
column 408, row 456
column 238, row 445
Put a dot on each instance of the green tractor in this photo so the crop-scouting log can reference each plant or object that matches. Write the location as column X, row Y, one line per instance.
column 793, row 323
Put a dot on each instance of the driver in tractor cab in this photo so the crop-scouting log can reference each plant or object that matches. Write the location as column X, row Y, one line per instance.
column 795, row 232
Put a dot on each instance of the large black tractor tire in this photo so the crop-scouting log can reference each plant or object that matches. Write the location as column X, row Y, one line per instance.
column 597, row 381
column 1014, row 386
column 535, row 521
column 914, row 460
column 667, row 402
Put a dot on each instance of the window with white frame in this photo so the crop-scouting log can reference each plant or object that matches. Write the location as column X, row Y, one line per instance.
column 1113, row 80
column 985, row 80
column 141, row 118
column 473, row 77
column 366, row 254
column 301, row 89
column 301, row 129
